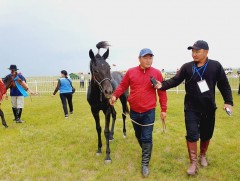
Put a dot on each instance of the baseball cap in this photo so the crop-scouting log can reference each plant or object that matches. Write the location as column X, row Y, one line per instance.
column 200, row 44
column 145, row 51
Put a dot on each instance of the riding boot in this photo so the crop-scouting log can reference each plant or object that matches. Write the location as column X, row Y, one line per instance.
column 19, row 112
column 203, row 150
column 146, row 156
column 14, row 113
column 192, row 150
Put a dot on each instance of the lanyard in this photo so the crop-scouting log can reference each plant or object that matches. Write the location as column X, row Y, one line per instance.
column 197, row 70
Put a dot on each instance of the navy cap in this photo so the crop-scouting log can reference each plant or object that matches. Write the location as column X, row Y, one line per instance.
column 200, row 44
column 145, row 51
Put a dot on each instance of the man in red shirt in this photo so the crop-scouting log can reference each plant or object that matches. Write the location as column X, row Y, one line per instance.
column 142, row 100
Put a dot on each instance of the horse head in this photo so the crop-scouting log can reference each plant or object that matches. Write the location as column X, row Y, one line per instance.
column 101, row 74
column 8, row 81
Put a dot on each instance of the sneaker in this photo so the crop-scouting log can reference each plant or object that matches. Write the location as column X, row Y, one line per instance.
column 71, row 112
column 19, row 121
column 66, row 116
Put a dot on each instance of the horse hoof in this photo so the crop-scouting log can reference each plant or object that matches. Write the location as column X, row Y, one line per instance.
column 108, row 161
column 111, row 140
column 124, row 136
column 98, row 153
column 6, row 126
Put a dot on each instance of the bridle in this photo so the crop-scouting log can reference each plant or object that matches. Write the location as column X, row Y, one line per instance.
column 99, row 83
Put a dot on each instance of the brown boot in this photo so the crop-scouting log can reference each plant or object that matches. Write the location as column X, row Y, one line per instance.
column 203, row 150
column 192, row 150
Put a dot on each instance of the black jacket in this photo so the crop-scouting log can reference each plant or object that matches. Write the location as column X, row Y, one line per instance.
column 195, row 100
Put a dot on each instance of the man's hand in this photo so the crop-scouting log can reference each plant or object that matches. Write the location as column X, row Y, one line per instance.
column 163, row 116
column 159, row 85
column 112, row 100
column 31, row 92
column 228, row 106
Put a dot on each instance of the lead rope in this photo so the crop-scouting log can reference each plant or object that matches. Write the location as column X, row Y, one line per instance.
column 164, row 129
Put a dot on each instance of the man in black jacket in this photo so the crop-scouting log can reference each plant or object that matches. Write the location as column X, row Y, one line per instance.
column 201, row 76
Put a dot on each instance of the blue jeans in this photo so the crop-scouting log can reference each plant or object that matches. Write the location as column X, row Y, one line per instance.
column 143, row 133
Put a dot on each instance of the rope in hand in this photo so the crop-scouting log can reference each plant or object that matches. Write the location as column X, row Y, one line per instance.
column 163, row 122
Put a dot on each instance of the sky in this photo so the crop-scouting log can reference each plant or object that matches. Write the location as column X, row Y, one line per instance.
column 43, row 37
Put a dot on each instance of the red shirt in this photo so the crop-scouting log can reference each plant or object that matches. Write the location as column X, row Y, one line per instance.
column 142, row 96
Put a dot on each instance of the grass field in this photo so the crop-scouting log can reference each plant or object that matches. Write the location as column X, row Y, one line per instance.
column 49, row 147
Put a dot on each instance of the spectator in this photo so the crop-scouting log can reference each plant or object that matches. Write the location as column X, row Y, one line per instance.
column 163, row 74
column 18, row 90
column 65, row 87
column 82, row 79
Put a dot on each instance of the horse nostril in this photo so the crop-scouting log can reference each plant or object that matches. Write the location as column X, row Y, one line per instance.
column 108, row 92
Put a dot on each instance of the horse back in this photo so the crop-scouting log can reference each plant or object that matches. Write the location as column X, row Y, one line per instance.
column 116, row 79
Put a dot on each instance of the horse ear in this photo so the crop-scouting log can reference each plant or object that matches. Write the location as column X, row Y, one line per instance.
column 105, row 55
column 91, row 54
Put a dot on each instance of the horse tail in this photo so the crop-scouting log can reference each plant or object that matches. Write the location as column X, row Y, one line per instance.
column 102, row 44
column 127, row 109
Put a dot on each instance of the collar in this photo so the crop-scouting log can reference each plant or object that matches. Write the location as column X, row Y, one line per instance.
column 143, row 70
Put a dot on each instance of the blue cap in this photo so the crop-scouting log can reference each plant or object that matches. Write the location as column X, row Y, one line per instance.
column 200, row 44
column 145, row 51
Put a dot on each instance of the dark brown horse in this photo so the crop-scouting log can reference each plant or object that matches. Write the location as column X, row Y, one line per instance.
column 4, row 85
column 99, row 91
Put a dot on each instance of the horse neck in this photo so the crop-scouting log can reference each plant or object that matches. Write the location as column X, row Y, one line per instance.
column 9, row 82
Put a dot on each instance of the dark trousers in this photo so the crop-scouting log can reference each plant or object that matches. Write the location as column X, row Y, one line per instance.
column 81, row 84
column 66, row 97
column 199, row 125
column 143, row 133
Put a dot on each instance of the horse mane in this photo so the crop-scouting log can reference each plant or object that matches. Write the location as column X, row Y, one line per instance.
column 102, row 44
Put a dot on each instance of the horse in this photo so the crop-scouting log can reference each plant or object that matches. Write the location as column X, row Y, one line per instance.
column 4, row 85
column 101, row 87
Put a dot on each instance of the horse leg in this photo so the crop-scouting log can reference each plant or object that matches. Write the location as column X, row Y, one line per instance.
column 107, row 134
column 113, row 124
column 99, row 131
column 124, row 124
column 3, row 119
column 123, row 99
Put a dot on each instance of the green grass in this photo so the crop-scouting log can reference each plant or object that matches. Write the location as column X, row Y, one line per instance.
column 49, row 147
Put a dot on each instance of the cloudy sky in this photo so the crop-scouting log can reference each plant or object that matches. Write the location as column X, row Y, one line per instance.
column 42, row 37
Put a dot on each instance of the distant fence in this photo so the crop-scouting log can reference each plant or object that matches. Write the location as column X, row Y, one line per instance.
column 48, row 85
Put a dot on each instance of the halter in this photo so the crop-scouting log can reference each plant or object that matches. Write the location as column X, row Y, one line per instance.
column 99, row 83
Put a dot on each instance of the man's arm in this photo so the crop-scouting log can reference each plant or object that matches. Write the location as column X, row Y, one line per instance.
column 225, row 89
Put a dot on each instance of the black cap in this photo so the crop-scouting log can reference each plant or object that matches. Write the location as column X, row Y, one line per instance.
column 200, row 44
column 13, row 67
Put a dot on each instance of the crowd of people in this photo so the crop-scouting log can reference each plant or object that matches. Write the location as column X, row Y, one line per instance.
column 201, row 76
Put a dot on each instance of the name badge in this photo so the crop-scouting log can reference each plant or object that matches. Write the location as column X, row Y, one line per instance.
column 203, row 86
